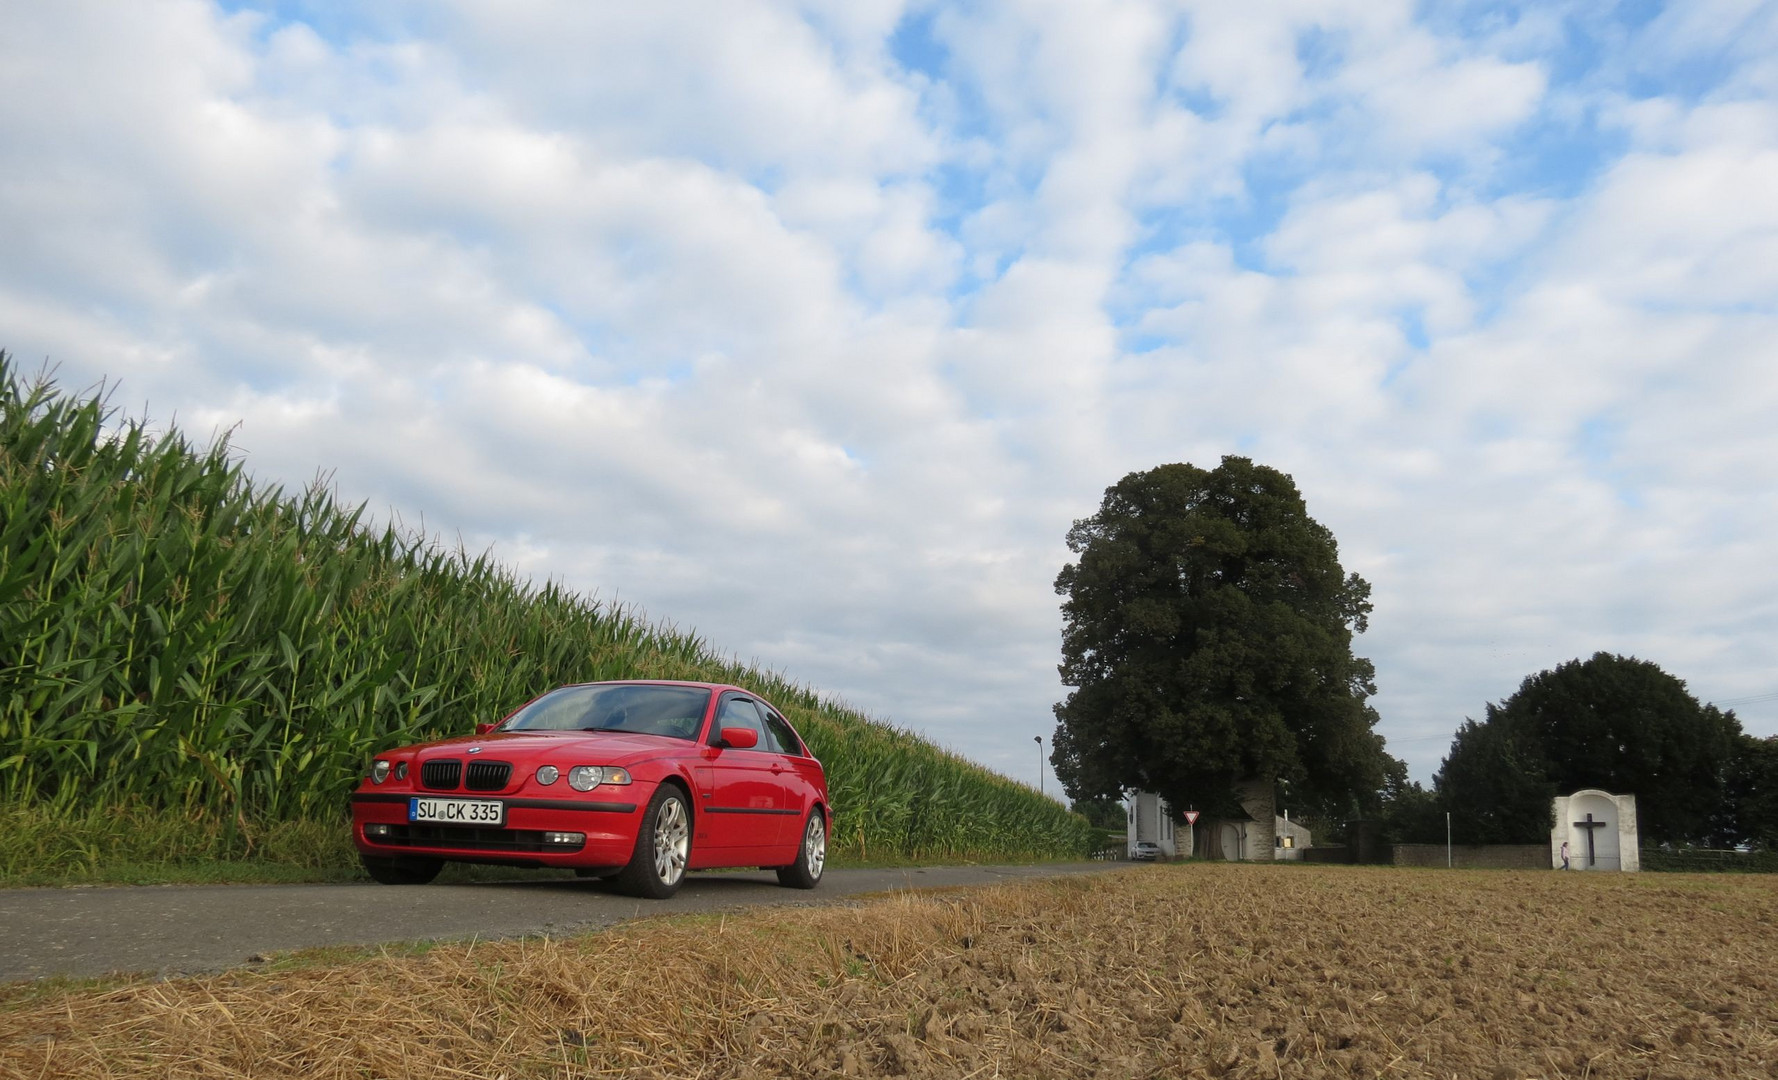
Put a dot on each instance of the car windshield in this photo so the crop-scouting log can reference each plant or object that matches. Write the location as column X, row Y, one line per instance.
column 673, row 711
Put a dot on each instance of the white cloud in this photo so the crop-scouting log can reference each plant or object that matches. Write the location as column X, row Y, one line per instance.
column 748, row 86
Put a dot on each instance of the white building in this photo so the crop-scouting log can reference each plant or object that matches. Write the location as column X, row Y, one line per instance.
column 1289, row 839
column 1150, row 818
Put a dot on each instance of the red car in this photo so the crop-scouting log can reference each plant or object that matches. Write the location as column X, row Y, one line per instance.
column 637, row 781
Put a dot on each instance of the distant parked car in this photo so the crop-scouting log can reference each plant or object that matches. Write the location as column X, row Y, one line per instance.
column 637, row 781
column 1145, row 851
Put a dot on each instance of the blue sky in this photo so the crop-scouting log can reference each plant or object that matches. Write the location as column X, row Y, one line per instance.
column 814, row 326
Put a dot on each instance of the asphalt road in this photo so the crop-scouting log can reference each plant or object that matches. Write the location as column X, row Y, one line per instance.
column 177, row 929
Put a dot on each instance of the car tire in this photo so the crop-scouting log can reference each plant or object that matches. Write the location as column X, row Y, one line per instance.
column 401, row 870
column 663, row 847
column 811, row 855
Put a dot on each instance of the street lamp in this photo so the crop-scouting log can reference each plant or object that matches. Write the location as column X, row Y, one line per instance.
column 1038, row 739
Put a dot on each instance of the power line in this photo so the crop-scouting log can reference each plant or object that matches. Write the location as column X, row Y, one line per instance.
column 1770, row 695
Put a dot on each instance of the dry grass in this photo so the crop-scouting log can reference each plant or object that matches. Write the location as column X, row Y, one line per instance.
column 1240, row 971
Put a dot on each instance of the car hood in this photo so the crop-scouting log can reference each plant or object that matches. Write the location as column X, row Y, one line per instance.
column 584, row 747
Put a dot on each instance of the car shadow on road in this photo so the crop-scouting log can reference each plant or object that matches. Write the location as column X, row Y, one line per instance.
column 705, row 884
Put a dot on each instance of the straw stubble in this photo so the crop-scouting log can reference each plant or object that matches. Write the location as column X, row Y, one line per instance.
column 1196, row 970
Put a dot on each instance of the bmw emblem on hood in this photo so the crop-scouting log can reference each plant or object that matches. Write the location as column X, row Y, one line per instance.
column 475, row 749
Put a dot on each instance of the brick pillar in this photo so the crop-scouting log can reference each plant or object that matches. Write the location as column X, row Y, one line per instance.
column 1255, row 795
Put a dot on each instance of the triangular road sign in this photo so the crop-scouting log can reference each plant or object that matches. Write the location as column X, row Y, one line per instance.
column 1191, row 817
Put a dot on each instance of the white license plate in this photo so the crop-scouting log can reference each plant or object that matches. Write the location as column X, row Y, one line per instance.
column 457, row 811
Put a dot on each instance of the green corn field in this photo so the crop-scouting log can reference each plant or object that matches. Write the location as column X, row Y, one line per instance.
column 177, row 639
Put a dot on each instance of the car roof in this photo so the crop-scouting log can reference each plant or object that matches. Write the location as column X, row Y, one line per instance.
column 657, row 682
column 711, row 686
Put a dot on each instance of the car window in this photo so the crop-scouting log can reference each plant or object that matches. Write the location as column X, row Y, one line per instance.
column 674, row 711
column 739, row 712
column 782, row 732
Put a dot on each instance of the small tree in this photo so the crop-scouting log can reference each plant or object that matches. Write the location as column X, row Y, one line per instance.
column 1496, row 790
column 1208, row 633
column 1750, row 796
column 1105, row 813
column 1409, row 812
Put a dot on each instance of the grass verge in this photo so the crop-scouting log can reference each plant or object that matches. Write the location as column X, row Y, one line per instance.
column 1195, row 970
column 135, row 844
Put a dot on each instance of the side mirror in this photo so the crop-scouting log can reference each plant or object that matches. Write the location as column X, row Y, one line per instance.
column 483, row 729
column 740, row 738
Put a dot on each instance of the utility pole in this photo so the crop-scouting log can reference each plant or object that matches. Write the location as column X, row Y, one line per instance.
column 1039, row 740
column 1447, row 839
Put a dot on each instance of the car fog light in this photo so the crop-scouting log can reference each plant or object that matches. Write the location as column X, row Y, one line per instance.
column 585, row 777
column 401, row 770
column 547, row 775
column 375, row 829
column 379, row 771
column 564, row 838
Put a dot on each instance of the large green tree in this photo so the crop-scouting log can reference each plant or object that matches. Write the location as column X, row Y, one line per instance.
column 1611, row 722
column 1208, row 635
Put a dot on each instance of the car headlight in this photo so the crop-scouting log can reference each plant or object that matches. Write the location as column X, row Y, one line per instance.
column 588, row 777
column 379, row 771
column 401, row 770
column 547, row 775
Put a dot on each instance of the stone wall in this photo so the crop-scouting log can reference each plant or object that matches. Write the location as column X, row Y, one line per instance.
column 1476, row 856
column 1463, row 856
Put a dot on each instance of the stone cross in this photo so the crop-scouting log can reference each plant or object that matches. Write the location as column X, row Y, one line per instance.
column 1589, row 825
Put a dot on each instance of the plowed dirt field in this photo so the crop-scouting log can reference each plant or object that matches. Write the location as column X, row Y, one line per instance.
column 1194, row 970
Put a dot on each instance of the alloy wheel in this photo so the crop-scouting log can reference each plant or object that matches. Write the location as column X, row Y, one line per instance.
column 672, row 841
column 815, row 846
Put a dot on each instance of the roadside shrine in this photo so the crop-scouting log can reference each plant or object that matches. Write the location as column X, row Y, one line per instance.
column 1599, row 829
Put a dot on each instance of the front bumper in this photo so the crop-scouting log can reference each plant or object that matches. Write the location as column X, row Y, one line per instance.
column 609, row 825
